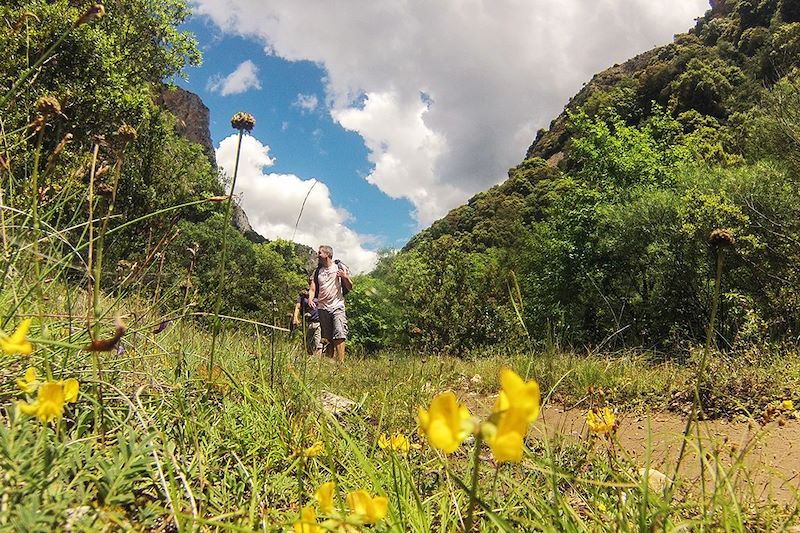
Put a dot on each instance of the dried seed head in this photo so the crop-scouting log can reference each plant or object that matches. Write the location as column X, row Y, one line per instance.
column 21, row 20
column 126, row 133
column 243, row 121
column 101, row 171
column 721, row 238
column 51, row 161
column 104, row 189
column 105, row 345
column 94, row 12
column 37, row 124
column 48, row 106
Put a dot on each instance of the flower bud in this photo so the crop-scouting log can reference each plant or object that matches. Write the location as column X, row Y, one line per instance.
column 95, row 12
column 243, row 121
column 48, row 106
column 721, row 238
column 126, row 133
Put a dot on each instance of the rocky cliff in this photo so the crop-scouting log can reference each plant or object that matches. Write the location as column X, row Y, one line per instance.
column 193, row 123
column 192, row 115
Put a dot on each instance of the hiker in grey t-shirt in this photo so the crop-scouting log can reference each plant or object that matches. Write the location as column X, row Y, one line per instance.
column 328, row 283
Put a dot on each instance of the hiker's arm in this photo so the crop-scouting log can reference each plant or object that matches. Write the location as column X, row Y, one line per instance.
column 296, row 316
column 312, row 290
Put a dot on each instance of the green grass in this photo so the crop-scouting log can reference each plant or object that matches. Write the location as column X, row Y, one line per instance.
column 225, row 456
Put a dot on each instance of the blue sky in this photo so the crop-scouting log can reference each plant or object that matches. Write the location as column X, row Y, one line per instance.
column 401, row 110
column 303, row 141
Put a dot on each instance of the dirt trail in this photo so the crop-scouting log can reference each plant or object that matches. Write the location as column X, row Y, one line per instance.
column 768, row 467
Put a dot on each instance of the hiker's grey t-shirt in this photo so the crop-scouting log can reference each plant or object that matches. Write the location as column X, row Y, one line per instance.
column 330, row 288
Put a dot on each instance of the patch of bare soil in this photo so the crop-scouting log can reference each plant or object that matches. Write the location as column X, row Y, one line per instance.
column 757, row 462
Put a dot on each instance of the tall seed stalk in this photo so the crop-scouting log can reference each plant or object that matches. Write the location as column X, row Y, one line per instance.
column 720, row 239
column 242, row 122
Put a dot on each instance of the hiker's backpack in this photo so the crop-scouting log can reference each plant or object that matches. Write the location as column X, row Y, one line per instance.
column 341, row 266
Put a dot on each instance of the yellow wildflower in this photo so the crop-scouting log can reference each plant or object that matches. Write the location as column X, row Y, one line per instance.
column 29, row 383
column 49, row 404
column 601, row 421
column 324, row 496
column 314, row 450
column 397, row 442
column 518, row 394
column 400, row 443
column 447, row 423
column 787, row 405
column 366, row 508
column 17, row 343
column 507, row 437
column 307, row 522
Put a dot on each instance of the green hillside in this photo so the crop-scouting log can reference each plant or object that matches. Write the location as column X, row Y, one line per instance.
column 603, row 227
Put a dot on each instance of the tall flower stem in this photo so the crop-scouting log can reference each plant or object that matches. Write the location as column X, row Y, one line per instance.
column 473, row 490
column 35, row 225
column 221, row 277
column 719, row 244
column 94, row 289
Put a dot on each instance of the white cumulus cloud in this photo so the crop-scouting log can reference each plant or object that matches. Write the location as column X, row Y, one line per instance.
column 448, row 94
column 273, row 201
column 244, row 78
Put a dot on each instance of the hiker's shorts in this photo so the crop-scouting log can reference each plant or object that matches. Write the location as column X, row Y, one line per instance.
column 333, row 324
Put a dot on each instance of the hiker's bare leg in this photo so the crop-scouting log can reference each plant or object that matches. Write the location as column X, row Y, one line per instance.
column 339, row 345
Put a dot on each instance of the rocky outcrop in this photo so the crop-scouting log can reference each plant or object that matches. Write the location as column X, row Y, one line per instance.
column 192, row 115
column 242, row 223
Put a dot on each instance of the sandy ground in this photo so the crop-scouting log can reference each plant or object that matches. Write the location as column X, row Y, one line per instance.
column 758, row 462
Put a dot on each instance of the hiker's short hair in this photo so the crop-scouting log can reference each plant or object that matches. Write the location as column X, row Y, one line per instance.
column 327, row 249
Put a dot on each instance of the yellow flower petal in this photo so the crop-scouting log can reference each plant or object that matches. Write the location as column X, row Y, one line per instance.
column 518, row 394
column 17, row 343
column 399, row 442
column 29, row 383
column 29, row 408
column 51, row 401
column 383, row 442
column 601, row 421
column 324, row 495
column 307, row 522
column 380, row 508
column 447, row 423
column 507, row 438
column 71, row 387
column 367, row 509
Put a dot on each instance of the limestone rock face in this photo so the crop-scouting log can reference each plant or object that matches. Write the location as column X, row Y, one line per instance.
column 242, row 223
column 192, row 115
